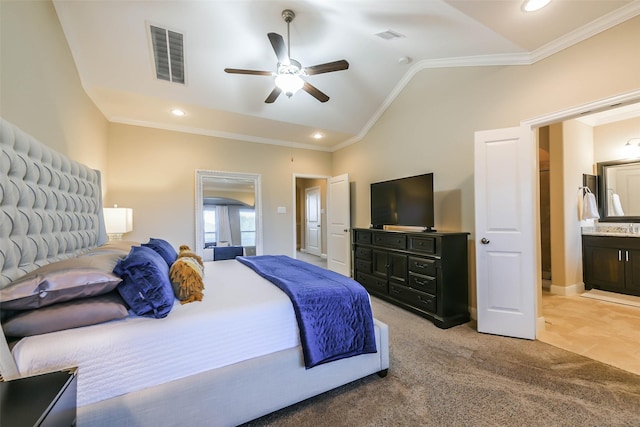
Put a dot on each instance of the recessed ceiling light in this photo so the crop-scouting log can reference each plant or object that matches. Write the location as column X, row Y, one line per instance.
column 533, row 5
column 318, row 135
column 177, row 112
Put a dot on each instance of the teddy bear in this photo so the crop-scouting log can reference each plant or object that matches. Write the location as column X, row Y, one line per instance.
column 186, row 276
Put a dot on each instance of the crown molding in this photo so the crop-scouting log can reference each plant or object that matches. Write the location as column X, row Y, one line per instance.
column 217, row 134
column 513, row 59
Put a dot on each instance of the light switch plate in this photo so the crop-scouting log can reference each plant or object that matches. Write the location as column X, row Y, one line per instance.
column 282, row 209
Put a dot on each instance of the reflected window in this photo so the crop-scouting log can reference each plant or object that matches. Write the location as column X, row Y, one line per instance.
column 209, row 224
column 248, row 227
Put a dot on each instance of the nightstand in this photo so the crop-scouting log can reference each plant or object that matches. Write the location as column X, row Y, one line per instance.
column 47, row 400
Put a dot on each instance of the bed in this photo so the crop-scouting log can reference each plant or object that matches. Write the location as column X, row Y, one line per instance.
column 231, row 358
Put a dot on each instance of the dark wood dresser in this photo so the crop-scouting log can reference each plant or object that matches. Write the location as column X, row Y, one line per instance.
column 425, row 273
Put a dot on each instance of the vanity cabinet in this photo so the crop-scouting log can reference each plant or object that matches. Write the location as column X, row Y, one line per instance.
column 425, row 273
column 611, row 263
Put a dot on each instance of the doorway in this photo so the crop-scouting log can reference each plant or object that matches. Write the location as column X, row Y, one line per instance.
column 531, row 286
column 565, row 316
column 310, row 219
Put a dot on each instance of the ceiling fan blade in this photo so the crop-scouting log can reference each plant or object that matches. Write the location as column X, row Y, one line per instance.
column 327, row 68
column 273, row 95
column 279, row 47
column 315, row 92
column 252, row 72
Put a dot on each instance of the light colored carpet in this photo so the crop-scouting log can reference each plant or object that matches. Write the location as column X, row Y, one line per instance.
column 459, row 377
column 612, row 297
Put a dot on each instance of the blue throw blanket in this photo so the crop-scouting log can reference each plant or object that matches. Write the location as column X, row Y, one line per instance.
column 333, row 311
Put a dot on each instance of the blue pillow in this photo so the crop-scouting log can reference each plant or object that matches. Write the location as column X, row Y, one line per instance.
column 164, row 248
column 145, row 282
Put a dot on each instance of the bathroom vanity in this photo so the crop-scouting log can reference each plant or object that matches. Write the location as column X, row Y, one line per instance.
column 611, row 261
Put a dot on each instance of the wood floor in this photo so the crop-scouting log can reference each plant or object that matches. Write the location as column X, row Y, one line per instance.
column 603, row 331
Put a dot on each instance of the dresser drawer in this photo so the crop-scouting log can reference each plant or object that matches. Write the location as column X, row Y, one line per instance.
column 423, row 244
column 372, row 284
column 423, row 266
column 423, row 283
column 363, row 265
column 390, row 240
column 363, row 253
column 419, row 300
column 363, row 237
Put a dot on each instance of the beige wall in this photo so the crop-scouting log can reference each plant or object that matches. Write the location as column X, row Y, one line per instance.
column 153, row 172
column 430, row 125
column 428, row 128
column 610, row 139
column 577, row 140
column 40, row 90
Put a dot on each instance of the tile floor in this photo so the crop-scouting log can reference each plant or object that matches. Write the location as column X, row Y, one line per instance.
column 603, row 331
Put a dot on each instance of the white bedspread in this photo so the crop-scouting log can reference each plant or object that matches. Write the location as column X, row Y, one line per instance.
column 241, row 316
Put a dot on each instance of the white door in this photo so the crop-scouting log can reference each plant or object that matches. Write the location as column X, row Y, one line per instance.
column 505, row 200
column 313, row 221
column 339, row 224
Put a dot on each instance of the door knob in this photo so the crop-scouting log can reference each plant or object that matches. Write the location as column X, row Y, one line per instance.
column 485, row 241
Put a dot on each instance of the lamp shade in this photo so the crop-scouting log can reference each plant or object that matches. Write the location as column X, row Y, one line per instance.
column 118, row 221
column 289, row 83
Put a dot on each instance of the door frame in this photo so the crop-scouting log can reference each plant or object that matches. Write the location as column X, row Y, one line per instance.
column 294, row 208
column 548, row 119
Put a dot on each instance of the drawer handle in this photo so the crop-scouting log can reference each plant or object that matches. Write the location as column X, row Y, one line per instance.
column 422, row 300
column 395, row 291
column 418, row 265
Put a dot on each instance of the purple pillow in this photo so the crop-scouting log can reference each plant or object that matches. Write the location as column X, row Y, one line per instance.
column 61, row 281
column 145, row 282
column 164, row 248
column 66, row 315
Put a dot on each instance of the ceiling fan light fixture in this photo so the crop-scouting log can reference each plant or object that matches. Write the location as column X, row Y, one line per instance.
column 289, row 83
column 533, row 5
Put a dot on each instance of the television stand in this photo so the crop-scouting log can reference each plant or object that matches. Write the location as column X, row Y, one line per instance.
column 429, row 230
column 426, row 274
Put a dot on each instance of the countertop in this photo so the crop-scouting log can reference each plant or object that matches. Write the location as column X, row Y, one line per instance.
column 613, row 230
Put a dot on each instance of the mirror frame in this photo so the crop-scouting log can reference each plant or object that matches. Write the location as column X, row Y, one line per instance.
column 602, row 196
column 199, row 207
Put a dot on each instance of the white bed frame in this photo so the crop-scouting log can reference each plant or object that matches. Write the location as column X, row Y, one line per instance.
column 226, row 396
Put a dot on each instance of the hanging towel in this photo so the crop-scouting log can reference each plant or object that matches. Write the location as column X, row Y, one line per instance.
column 589, row 206
column 617, row 206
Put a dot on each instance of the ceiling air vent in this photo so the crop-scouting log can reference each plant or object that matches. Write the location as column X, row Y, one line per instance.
column 168, row 54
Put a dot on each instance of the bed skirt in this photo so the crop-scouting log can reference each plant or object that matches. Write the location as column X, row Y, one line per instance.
column 237, row 393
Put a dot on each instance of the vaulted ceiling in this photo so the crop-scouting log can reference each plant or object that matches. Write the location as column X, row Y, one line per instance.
column 111, row 45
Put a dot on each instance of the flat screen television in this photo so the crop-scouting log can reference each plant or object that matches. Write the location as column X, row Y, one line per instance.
column 404, row 201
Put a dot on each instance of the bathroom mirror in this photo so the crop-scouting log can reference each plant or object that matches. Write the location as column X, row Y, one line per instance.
column 619, row 195
column 228, row 211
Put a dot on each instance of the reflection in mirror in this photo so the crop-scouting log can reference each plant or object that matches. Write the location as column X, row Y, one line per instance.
column 620, row 191
column 228, row 212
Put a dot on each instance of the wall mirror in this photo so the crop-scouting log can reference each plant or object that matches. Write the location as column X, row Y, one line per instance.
column 619, row 191
column 228, row 212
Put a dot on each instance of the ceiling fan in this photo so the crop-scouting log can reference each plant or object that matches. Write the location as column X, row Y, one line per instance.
column 289, row 72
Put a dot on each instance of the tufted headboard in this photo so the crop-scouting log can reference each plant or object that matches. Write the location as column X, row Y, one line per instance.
column 50, row 209
column 50, row 206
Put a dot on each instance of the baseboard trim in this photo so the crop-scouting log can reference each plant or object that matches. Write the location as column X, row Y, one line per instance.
column 574, row 289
